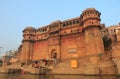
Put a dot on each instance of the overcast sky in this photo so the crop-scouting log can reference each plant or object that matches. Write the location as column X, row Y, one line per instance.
column 15, row 15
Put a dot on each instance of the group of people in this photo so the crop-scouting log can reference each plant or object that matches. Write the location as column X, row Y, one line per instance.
column 39, row 64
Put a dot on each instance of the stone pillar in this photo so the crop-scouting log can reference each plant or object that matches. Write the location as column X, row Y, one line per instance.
column 26, row 51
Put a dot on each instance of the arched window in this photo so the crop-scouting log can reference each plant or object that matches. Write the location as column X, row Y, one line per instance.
column 54, row 54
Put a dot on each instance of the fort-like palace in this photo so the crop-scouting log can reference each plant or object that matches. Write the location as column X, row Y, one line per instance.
column 80, row 45
column 73, row 38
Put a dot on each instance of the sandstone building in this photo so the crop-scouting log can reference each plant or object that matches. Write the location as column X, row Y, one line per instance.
column 114, row 32
column 80, row 45
column 73, row 38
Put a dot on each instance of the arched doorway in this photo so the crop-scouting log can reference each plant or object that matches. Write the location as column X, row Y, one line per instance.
column 53, row 54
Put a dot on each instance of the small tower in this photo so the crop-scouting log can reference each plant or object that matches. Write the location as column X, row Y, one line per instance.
column 90, row 19
column 27, row 43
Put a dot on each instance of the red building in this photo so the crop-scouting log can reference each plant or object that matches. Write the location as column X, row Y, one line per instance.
column 73, row 38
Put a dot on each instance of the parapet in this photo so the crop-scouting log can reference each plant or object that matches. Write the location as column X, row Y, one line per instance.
column 70, row 22
column 28, row 28
column 42, row 29
column 89, row 17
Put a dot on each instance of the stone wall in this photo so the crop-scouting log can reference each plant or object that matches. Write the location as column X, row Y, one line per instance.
column 72, row 45
column 40, row 50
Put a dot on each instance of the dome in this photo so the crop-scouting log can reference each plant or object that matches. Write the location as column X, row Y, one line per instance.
column 89, row 9
column 57, row 21
column 29, row 28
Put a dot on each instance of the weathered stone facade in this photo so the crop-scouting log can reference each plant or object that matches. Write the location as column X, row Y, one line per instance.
column 73, row 46
column 114, row 34
column 73, row 38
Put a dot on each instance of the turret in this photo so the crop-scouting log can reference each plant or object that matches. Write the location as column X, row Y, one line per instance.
column 90, row 19
column 27, row 43
column 28, row 33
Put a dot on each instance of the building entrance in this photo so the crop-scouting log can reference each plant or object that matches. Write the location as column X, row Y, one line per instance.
column 53, row 54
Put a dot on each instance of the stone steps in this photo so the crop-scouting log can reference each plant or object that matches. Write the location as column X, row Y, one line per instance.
column 62, row 65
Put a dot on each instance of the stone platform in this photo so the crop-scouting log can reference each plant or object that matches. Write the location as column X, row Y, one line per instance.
column 102, row 68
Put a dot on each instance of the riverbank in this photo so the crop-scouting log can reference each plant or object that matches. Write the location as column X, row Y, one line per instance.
column 28, row 76
column 102, row 68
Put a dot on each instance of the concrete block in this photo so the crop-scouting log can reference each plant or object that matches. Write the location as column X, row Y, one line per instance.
column 38, row 71
column 118, row 66
column 91, row 71
column 35, row 71
column 106, row 64
column 107, row 71
column 94, row 60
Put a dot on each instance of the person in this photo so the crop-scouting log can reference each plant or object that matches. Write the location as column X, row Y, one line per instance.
column 21, row 67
